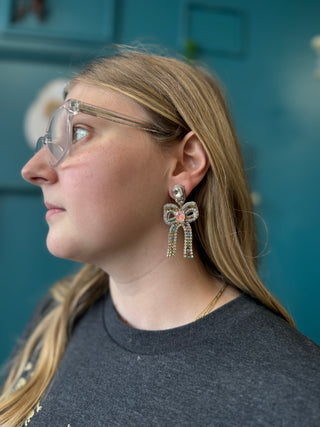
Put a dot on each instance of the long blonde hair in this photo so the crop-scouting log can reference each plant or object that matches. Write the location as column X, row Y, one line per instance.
column 179, row 98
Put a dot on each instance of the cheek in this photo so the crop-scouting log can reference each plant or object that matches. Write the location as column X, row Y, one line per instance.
column 117, row 186
column 114, row 201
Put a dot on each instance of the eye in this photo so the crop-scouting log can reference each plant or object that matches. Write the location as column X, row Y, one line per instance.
column 79, row 133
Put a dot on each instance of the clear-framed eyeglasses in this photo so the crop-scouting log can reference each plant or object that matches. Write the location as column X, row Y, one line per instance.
column 59, row 136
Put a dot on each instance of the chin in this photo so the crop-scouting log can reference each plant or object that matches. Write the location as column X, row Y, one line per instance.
column 59, row 249
column 70, row 249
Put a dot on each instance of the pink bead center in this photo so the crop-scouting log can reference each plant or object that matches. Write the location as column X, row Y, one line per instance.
column 180, row 216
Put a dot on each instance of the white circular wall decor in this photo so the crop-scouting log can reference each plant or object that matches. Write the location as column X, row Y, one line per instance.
column 38, row 114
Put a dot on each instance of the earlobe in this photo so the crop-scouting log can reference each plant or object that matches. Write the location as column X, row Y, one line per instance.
column 191, row 163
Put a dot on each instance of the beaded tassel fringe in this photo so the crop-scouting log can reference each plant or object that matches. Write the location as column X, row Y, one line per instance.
column 180, row 216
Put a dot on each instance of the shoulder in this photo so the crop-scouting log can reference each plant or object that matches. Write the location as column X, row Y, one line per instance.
column 265, row 361
column 264, row 344
column 44, row 306
column 270, row 331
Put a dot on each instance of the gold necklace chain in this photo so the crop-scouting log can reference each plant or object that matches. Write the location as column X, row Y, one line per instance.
column 211, row 304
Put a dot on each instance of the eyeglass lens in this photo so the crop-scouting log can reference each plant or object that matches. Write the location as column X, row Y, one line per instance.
column 58, row 135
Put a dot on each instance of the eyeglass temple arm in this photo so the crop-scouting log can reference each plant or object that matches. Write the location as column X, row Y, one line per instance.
column 110, row 115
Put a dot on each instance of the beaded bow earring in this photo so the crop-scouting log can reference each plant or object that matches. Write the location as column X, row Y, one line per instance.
column 180, row 216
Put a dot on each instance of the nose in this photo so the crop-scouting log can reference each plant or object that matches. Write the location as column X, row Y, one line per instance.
column 38, row 171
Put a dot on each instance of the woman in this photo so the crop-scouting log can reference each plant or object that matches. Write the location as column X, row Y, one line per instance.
column 168, row 323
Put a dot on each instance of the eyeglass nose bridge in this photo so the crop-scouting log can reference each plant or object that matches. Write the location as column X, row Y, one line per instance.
column 44, row 141
column 41, row 142
column 54, row 157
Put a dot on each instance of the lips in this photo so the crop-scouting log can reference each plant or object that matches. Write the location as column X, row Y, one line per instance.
column 53, row 210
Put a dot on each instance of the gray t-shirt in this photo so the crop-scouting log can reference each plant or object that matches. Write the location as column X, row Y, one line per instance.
column 241, row 365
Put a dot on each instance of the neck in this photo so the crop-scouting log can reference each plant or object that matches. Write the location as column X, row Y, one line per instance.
column 170, row 294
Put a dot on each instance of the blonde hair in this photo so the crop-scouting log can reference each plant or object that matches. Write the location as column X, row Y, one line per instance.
column 179, row 98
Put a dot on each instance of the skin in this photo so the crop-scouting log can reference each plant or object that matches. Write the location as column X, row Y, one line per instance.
column 106, row 202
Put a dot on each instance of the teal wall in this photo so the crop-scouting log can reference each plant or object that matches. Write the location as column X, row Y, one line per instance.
column 261, row 51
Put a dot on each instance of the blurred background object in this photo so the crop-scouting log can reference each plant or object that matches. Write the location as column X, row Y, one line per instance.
column 21, row 8
column 315, row 43
column 259, row 49
column 38, row 114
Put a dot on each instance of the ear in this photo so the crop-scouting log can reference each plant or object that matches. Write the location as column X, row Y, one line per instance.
column 190, row 165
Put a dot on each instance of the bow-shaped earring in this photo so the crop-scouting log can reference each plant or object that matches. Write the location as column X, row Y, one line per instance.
column 180, row 216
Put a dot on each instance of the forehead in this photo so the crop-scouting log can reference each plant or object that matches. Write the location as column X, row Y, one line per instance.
column 107, row 98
